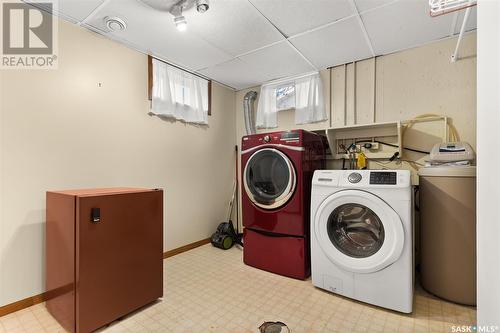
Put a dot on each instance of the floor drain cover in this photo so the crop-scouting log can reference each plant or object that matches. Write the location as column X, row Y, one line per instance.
column 274, row 327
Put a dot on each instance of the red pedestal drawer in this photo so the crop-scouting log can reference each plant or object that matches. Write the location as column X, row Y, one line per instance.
column 280, row 254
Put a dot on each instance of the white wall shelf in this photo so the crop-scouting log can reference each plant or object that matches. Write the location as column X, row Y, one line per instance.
column 346, row 135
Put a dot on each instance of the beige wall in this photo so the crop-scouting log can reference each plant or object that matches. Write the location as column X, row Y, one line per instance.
column 423, row 80
column 59, row 129
column 396, row 87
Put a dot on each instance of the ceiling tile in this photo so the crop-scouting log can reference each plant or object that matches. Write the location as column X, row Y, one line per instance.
column 471, row 21
column 234, row 26
column 279, row 60
column 364, row 5
column 73, row 10
column 154, row 32
column 236, row 74
column 335, row 44
column 296, row 16
column 404, row 24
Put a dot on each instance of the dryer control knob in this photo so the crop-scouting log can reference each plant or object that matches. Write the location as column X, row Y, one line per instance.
column 354, row 178
column 267, row 138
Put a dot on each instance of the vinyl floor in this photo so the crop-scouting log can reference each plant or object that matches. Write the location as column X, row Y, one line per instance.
column 210, row 290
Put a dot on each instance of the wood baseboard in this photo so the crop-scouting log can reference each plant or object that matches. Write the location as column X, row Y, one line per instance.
column 186, row 248
column 22, row 304
column 27, row 302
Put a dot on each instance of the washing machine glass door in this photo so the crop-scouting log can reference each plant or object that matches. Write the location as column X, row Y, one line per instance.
column 269, row 178
column 359, row 231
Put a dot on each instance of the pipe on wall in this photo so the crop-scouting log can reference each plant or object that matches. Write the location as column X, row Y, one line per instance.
column 248, row 111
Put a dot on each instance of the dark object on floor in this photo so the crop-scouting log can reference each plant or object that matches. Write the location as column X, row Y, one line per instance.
column 104, row 254
column 225, row 236
column 274, row 327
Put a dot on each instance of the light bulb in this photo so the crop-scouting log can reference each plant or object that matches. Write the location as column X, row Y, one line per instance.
column 180, row 23
column 182, row 26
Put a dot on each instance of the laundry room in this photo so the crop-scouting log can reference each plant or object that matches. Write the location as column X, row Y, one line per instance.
column 249, row 166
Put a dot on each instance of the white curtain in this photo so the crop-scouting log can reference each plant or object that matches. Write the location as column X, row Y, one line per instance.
column 309, row 101
column 178, row 94
column 266, row 109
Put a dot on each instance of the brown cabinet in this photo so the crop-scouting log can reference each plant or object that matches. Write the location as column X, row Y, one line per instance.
column 104, row 254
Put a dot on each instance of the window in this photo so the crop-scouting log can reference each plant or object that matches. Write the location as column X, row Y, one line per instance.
column 303, row 93
column 178, row 94
column 285, row 97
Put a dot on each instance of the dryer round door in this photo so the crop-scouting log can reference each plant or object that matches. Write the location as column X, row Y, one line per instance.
column 269, row 178
column 358, row 231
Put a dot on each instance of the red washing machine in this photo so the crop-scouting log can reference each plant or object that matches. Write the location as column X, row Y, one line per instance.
column 277, row 170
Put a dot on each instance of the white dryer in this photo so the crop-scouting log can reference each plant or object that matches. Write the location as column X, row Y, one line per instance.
column 362, row 235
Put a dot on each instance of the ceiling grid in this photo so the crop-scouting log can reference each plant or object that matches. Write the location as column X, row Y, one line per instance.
column 244, row 43
column 285, row 36
column 360, row 21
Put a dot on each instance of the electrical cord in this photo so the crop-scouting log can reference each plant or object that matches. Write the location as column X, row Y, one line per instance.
column 383, row 165
column 405, row 148
column 394, row 158
column 396, row 146
column 413, row 164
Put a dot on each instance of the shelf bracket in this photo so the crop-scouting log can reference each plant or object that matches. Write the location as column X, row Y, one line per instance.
column 454, row 56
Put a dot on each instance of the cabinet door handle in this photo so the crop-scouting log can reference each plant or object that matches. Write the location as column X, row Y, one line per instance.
column 95, row 215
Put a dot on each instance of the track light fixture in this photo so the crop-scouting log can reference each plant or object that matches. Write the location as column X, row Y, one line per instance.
column 180, row 21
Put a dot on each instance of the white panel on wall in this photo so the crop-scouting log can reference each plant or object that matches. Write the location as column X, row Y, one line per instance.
column 236, row 74
column 279, row 60
column 350, row 94
column 234, row 26
column 404, row 24
column 296, row 16
column 338, row 92
column 158, row 35
column 336, row 44
column 365, row 91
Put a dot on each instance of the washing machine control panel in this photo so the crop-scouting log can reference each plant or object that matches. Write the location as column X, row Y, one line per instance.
column 383, row 178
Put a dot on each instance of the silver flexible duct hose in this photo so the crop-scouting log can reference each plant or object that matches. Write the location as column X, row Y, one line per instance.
column 248, row 111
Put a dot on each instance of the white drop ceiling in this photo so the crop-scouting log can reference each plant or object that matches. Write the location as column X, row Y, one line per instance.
column 243, row 43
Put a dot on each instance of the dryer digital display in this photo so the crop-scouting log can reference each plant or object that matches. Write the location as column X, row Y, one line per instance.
column 383, row 177
column 290, row 136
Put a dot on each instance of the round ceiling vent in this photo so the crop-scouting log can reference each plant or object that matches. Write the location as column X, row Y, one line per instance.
column 115, row 23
